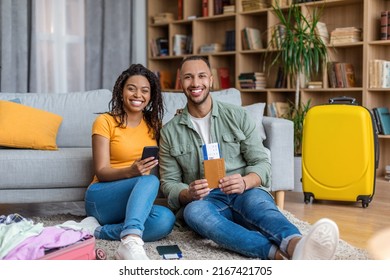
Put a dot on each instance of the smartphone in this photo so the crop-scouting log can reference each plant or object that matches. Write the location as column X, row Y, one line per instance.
column 169, row 252
column 150, row 151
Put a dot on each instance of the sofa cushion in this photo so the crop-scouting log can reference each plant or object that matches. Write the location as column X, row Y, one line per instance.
column 37, row 169
column 78, row 109
column 27, row 127
column 256, row 111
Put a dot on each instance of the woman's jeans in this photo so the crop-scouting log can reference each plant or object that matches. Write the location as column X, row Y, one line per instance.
column 125, row 207
column 248, row 223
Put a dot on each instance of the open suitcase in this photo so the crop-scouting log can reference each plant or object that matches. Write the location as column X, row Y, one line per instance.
column 339, row 152
column 82, row 250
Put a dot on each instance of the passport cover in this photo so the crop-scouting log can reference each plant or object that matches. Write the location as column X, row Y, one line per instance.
column 214, row 169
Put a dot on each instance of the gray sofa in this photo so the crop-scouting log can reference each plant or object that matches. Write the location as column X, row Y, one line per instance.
column 35, row 176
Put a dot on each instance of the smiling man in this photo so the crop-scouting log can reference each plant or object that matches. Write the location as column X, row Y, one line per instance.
column 240, row 214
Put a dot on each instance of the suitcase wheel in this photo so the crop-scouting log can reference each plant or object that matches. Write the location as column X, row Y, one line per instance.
column 100, row 254
column 307, row 197
column 365, row 200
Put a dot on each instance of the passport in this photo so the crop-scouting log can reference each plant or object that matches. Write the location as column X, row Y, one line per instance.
column 214, row 169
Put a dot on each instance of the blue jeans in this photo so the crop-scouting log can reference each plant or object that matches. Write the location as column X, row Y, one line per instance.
column 125, row 207
column 248, row 223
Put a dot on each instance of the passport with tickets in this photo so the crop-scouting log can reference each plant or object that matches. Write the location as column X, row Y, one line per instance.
column 214, row 165
column 214, row 169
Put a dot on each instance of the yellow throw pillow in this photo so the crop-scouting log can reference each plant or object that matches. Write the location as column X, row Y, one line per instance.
column 22, row 126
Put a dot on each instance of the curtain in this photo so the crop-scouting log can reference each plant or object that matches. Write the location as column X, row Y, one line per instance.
column 115, row 37
column 15, row 45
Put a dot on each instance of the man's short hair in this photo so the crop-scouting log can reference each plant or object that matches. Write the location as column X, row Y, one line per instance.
column 196, row 57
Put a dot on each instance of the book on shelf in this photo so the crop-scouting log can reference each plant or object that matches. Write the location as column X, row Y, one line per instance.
column 205, row 8
column 342, row 35
column 180, row 44
column 278, row 34
column 314, row 84
column 229, row 9
column 165, row 79
column 348, row 73
column 379, row 73
column 162, row 46
column 153, row 48
column 163, row 18
column 223, row 77
column 189, row 43
column 230, row 40
column 218, row 7
column 378, row 126
column 251, row 5
column 384, row 119
column 341, row 75
column 278, row 109
column 388, row 25
column 180, row 9
column 177, row 80
column 282, row 109
column 252, row 80
column 384, row 25
column 331, row 74
column 251, row 39
column 210, row 48
column 281, row 78
column 216, row 84
column 322, row 31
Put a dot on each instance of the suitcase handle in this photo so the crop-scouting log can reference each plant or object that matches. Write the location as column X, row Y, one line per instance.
column 343, row 100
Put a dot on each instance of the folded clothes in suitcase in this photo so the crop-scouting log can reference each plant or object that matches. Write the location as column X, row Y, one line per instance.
column 339, row 152
column 81, row 250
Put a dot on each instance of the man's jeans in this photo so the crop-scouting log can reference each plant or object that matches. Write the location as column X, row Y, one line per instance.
column 248, row 223
column 125, row 207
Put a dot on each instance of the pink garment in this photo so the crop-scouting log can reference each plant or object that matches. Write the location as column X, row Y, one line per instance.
column 34, row 247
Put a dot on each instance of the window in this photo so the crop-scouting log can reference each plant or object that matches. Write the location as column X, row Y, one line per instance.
column 60, row 54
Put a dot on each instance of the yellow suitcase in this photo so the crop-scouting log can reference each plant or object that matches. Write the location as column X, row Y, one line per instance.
column 339, row 152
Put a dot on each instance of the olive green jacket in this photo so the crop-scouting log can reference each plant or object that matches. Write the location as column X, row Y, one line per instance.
column 181, row 157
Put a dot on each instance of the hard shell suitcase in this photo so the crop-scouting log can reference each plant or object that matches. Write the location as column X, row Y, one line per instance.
column 82, row 250
column 339, row 152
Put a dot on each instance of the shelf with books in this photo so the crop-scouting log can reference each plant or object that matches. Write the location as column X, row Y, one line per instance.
column 362, row 15
column 212, row 31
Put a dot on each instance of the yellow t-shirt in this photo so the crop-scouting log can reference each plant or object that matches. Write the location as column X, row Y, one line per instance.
column 126, row 144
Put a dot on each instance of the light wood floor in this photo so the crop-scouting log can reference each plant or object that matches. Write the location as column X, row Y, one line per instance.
column 356, row 224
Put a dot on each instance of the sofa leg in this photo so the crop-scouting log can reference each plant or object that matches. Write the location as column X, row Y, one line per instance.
column 279, row 199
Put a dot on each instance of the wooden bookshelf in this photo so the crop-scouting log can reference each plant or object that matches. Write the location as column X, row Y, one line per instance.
column 363, row 14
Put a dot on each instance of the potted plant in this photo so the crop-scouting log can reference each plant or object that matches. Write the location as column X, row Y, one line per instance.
column 297, row 115
column 300, row 49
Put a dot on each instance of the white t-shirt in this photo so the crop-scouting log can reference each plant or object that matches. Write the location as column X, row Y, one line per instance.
column 202, row 126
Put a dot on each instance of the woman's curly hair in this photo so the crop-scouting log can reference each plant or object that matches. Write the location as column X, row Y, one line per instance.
column 153, row 112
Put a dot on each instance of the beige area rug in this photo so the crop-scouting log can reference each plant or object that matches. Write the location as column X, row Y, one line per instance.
column 195, row 247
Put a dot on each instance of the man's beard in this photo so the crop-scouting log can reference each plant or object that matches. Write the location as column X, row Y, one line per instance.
column 199, row 102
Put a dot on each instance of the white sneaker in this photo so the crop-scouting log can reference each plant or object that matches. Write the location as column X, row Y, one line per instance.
column 88, row 224
column 131, row 248
column 320, row 243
